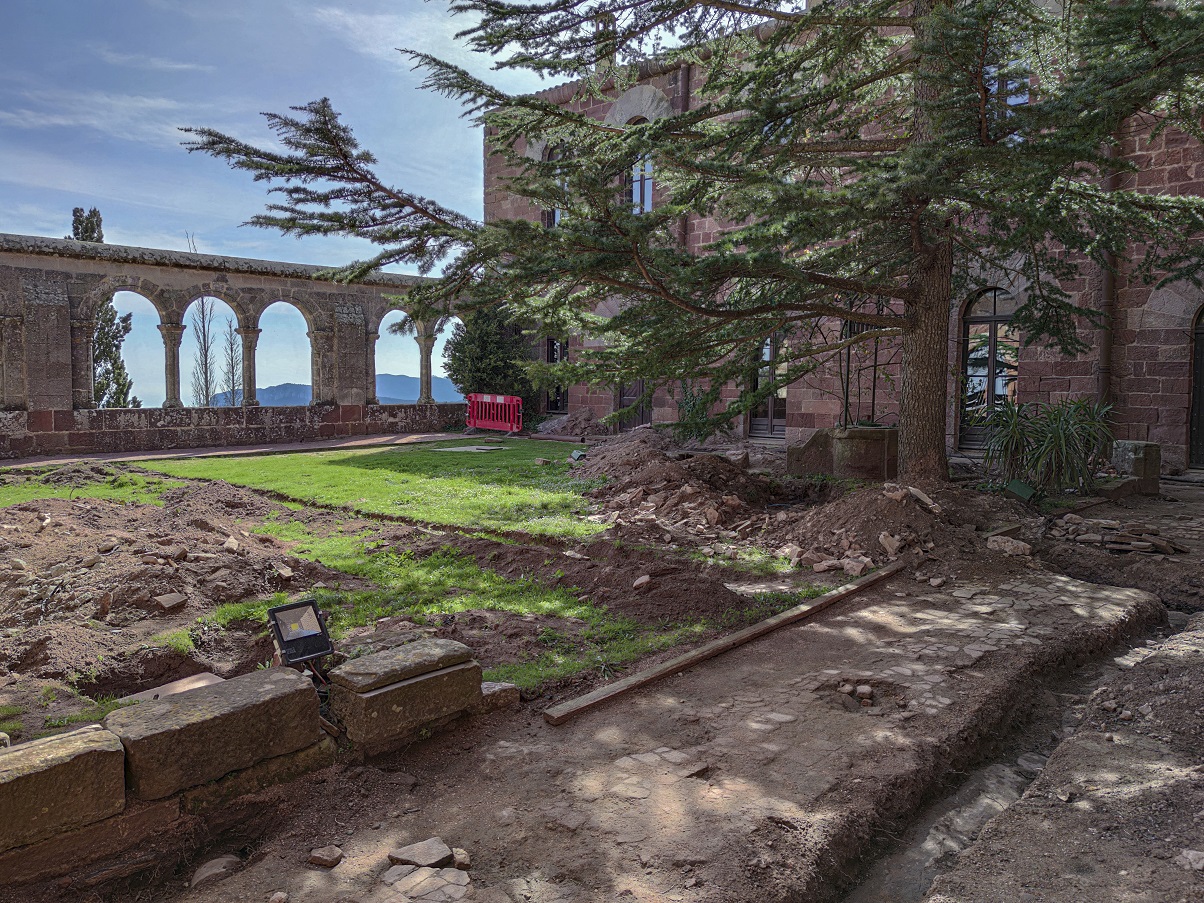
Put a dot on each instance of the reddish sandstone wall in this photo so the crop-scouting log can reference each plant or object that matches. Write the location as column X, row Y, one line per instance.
column 24, row 433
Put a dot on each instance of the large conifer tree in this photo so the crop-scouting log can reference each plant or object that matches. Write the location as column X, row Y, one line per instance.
column 878, row 157
column 111, row 383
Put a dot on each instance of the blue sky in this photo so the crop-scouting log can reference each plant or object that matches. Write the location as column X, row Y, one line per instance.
column 92, row 95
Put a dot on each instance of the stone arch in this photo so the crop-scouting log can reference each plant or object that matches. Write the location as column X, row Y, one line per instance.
column 111, row 285
column 639, row 102
column 234, row 298
column 318, row 336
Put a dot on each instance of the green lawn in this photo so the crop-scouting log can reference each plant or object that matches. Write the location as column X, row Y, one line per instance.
column 18, row 486
column 495, row 491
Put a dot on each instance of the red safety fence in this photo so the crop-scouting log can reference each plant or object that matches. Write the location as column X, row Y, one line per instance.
column 495, row 412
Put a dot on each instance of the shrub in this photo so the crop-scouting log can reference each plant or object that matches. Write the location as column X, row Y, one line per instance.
column 1053, row 447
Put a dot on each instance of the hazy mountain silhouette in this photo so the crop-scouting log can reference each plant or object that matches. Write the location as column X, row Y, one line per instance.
column 391, row 388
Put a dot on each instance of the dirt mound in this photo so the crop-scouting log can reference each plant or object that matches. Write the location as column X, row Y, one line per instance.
column 79, row 474
column 883, row 522
column 606, row 573
column 579, row 423
column 682, row 494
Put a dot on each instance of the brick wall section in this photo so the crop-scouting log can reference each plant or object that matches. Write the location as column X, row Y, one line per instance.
column 1152, row 344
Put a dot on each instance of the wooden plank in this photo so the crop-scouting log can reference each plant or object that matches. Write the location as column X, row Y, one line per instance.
column 559, row 714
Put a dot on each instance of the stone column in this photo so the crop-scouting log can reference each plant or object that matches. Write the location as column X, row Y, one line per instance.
column 12, row 354
column 250, row 338
column 370, row 360
column 424, row 335
column 321, row 343
column 172, row 335
column 83, row 396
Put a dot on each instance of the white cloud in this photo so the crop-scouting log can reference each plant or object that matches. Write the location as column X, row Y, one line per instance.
column 128, row 116
column 140, row 61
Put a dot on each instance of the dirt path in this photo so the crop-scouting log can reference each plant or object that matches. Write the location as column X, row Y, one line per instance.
column 749, row 778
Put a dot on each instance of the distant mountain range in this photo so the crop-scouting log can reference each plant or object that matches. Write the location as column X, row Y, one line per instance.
column 391, row 388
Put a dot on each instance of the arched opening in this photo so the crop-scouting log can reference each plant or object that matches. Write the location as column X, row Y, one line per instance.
column 283, row 357
column 399, row 361
column 140, row 352
column 1195, row 455
column 210, row 355
column 990, row 355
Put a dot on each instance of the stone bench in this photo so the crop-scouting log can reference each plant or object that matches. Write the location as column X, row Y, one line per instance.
column 385, row 698
column 192, row 738
column 59, row 783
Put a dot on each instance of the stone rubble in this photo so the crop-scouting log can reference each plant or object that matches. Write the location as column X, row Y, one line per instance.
column 1114, row 535
column 326, row 857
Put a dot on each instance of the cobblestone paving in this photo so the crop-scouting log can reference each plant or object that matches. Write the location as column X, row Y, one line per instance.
column 677, row 792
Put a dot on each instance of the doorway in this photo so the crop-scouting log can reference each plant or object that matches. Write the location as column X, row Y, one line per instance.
column 768, row 419
column 1195, row 456
column 990, row 355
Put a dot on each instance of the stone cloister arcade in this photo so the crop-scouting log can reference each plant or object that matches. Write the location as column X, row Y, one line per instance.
column 50, row 290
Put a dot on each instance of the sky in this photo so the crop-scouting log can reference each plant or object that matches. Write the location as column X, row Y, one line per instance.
column 92, row 96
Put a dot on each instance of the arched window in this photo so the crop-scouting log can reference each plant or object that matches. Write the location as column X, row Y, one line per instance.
column 641, row 179
column 551, row 218
column 990, row 353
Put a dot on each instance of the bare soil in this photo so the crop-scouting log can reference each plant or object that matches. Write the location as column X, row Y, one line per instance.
column 550, row 815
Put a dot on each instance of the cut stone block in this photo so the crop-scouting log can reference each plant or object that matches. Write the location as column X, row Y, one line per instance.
column 198, row 736
column 53, row 785
column 432, row 853
column 170, row 601
column 193, row 682
column 496, row 696
column 381, row 719
column 370, row 672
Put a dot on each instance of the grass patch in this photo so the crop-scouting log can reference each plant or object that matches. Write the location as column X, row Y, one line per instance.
column 754, row 561
column 93, row 713
column 176, row 640
column 17, row 486
column 10, row 721
column 502, row 490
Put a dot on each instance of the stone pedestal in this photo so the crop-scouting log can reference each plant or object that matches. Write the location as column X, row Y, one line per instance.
column 865, row 453
column 383, row 699
column 1142, row 460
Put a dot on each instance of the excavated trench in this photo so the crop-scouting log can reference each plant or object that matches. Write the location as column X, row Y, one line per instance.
column 902, row 866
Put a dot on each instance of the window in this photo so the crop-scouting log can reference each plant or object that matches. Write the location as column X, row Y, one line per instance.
column 990, row 354
column 768, row 419
column 555, row 351
column 641, row 179
column 551, row 218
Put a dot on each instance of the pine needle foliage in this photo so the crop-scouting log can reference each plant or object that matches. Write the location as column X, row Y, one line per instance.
column 875, row 159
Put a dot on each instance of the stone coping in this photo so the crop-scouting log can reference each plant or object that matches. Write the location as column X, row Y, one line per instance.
column 370, row 672
column 86, row 250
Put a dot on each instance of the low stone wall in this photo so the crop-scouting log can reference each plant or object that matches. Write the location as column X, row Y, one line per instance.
column 163, row 776
column 24, row 433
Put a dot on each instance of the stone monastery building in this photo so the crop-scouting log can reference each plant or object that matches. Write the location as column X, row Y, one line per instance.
column 1149, row 364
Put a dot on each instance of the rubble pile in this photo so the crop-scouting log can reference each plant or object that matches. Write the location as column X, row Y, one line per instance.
column 678, row 496
column 1113, row 535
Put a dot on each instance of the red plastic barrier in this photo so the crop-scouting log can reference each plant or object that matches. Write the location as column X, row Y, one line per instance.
column 495, row 412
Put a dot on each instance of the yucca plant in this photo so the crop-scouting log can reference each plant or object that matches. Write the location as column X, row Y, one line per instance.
column 1009, row 439
column 1053, row 447
column 1068, row 437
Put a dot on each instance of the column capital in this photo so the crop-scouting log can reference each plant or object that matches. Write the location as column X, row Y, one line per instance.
column 172, row 330
column 248, row 331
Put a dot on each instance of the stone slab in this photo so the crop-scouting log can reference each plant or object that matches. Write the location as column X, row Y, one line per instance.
column 193, row 682
column 370, row 672
column 201, row 735
column 140, row 827
column 379, row 720
column 59, row 783
column 268, row 773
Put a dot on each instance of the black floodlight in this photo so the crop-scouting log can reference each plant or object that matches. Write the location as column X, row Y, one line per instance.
column 299, row 631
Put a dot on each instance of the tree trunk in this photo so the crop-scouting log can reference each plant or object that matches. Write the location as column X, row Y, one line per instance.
column 924, row 388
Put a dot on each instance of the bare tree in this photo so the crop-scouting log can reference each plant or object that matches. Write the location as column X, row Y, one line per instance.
column 204, row 370
column 232, row 364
